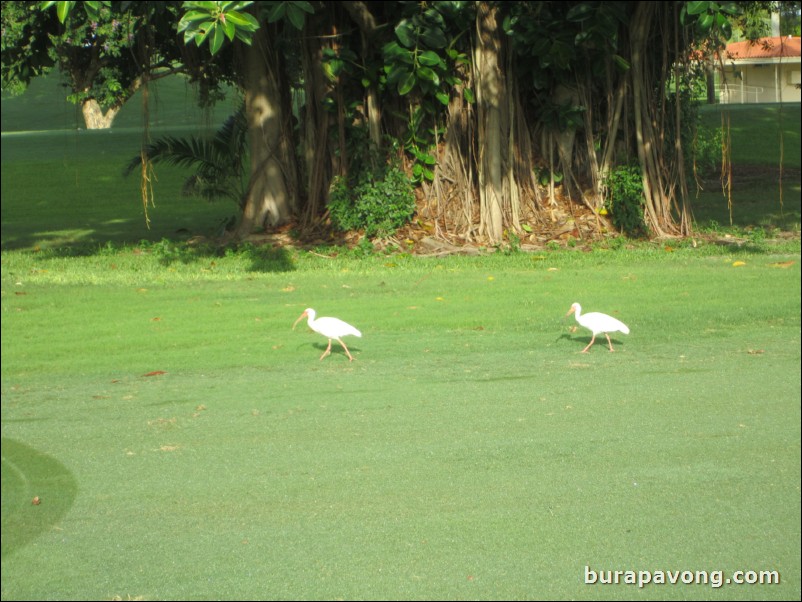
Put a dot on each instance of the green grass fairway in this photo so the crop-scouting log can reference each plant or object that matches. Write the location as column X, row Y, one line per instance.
column 470, row 451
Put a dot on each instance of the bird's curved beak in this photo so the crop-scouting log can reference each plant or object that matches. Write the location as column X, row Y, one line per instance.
column 570, row 311
column 301, row 317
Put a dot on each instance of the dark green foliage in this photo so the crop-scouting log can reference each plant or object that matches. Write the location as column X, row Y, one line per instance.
column 426, row 62
column 205, row 21
column 625, row 199
column 710, row 17
column 553, row 40
column 377, row 196
column 417, row 59
column 790, row 15
column 380, row 201
column 100, row 50
column 419, row 143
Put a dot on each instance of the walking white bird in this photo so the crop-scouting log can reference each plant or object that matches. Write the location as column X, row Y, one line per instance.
column 331, row 328
column 597, row 323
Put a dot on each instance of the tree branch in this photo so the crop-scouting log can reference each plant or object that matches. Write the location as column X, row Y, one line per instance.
column 360, row 13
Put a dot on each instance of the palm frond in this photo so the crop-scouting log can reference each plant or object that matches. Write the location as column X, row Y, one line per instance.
column 218, row 162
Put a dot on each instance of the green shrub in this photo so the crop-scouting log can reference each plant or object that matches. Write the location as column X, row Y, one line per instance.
column 625, row 199
column 379, row 203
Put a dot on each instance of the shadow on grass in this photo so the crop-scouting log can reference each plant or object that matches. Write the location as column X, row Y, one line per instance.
column 262, row 258
column 37, row 491
column 336, row 349
column 584, row 340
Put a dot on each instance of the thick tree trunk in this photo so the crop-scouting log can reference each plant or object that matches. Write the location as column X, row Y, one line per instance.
column 710, row 83
column 316, row 151
column 272, row 191
column 490, row 100
column 94, row 117
column 650, row 154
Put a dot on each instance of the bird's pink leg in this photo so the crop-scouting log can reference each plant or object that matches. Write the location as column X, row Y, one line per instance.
column 585, row 350
column 348, row 353
column 609, row 341
column 328, row 350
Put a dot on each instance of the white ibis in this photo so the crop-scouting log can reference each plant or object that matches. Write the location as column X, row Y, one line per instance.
column 597, row 323
column 331, row 328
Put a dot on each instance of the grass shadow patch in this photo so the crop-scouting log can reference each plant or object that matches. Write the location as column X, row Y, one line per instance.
column 168, row 253
column 261, row 259
column 267, row 259
column 37, row 491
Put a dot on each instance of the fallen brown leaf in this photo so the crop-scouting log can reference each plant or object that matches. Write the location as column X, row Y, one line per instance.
column 782, row 264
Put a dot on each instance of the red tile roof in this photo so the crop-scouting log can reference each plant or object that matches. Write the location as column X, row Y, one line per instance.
column 764, row 48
